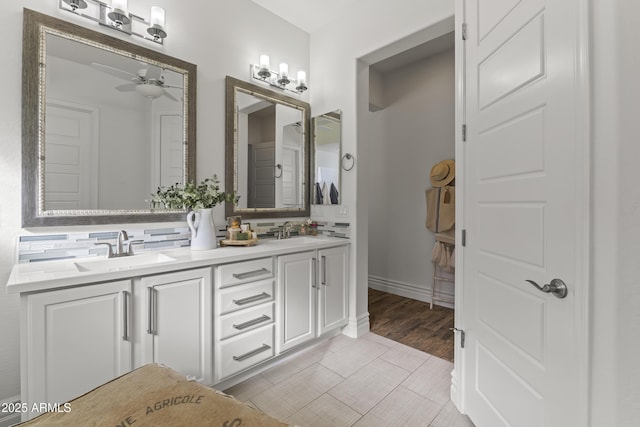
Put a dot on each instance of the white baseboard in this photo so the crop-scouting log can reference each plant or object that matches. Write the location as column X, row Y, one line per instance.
column 412, row 291
column 8, row 419
column 357, row 327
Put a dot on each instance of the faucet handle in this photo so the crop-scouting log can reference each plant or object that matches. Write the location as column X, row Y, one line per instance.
column 131, row 243
column 109, row 248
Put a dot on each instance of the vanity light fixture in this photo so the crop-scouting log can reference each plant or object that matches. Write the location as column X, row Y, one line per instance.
column 119, row 13
column 156, row 30
column 281, row 80
column 76, row 4
column 117, row 16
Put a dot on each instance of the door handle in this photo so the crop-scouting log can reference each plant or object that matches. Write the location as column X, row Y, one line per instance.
column 314, row 273
column 152, row 320
column 556, row 287
column 125, row 316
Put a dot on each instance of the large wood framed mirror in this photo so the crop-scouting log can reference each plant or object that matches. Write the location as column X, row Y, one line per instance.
column 267, row 152
column 105, row 122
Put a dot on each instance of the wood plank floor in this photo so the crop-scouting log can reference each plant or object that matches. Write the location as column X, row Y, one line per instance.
column 412, row 323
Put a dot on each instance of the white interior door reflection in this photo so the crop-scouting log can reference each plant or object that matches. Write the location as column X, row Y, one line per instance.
column 270, row 140
column 71, row 169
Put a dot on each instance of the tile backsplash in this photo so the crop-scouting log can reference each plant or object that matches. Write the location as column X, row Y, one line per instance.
column 269, row 229
column 46, row 247
column 57, row 246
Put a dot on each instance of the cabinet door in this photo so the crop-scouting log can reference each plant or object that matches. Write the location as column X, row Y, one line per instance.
column 332, row 306
column 178, row 322
column 76, row 339
column 297, row 286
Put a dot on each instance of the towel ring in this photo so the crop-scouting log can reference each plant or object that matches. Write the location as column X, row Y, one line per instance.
column 277, row 168
column 349, row 158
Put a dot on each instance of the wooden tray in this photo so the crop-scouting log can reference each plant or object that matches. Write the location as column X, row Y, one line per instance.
column 227, row 242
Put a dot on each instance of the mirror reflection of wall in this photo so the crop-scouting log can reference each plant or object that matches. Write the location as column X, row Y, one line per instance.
column 104, row 135
column 327, row 140
column 270, row 140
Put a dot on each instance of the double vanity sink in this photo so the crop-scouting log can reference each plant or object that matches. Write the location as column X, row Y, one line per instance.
column 47, row 274
column 218, row 316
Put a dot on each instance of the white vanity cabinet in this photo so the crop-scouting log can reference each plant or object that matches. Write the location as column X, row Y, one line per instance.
column 332, row 290
column 76, row 339
column 297, row 285
column 245, row 304
column 313, row 293
column 212, row 315
column 175, row 318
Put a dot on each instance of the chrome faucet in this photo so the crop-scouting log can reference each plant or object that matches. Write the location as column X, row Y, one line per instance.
column 287, row 229
column 284, row 231
column 122, row 238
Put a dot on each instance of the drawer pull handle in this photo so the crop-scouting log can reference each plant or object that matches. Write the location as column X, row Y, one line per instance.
column 245, row 325
column 241, row 276
column 252, row 353
column 251, row 299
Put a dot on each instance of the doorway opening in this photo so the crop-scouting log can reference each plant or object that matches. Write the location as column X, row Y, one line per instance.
column 410, row 128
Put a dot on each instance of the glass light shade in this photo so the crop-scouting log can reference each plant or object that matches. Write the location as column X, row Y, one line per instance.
column 149, row 90
column 119, row 6
column 264, row 61
column 156, row 23
column 76, row 4
column 157, row 17
column 284, row 70
column 302, row 77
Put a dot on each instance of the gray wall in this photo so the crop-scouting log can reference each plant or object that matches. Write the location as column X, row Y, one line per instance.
column 221, row 38
column 414, row 130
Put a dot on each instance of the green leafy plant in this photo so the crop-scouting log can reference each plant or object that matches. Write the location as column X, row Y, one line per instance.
column 190, row 196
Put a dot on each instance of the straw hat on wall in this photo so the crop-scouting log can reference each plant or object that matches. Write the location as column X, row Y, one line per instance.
column 443, row 173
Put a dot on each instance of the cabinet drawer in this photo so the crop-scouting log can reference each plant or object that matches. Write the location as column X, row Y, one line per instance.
column 246, row 320
column 244, row 296
column 246, row 350
column 246, row 271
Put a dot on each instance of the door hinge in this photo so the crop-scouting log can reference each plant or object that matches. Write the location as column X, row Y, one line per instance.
column 464, row 133
column 464, row 31
column 461, row 335
column 464, row 238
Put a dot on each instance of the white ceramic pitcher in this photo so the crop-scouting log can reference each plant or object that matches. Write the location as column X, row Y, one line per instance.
column 203, row 231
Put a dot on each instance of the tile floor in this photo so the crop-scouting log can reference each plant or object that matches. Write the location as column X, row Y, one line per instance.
column 366, row 382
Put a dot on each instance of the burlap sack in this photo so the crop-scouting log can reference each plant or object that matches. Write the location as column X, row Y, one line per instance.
column 154, row 395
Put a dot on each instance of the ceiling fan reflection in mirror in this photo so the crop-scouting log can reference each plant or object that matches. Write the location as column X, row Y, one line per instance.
column 149, row 81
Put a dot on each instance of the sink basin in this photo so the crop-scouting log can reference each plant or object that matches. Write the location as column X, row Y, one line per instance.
column 298, row 241
column 124, row 263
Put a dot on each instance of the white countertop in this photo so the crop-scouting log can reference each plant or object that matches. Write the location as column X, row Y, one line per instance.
column 40, row 276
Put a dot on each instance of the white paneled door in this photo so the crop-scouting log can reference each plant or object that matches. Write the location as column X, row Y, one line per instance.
column 71, row 167
column 525, row 210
